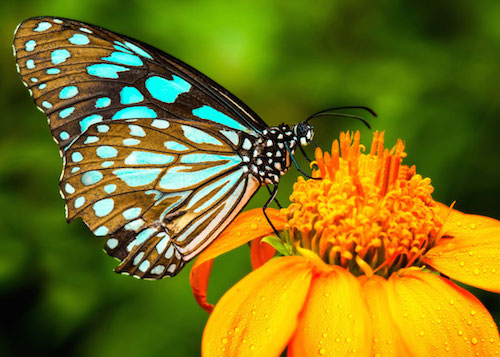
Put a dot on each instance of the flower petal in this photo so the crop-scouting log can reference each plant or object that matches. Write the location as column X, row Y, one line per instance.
column 436, row 317
column 472, row 255
column 246, row 226
column 334, row 321
column 387, row 340
column 260, row 253
column 258, row 315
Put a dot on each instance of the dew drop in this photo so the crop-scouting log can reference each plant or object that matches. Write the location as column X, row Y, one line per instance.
column 460, row 332
column 322, row 351
column 459, row 223
column 422, row 333
column 243, row 341
column 476, row 271
column 405, row 314
column 253, row 226
column 452, row 302
column 473, row 312
column 462, row 264
column 471, row 253
column 238, row 233
column 252, row 347
column 473, row 226
column 492, row 340
column 236, row 330
column 493, row 270
column 225, row 340
column 268, row 330
column 348, row 340
column 253, row 312
column 324, row 335
column 474, row 341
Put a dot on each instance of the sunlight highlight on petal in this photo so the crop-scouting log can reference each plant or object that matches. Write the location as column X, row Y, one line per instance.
column 335, row 321
column 472, row 254
column 259, row 314
column 436, row 317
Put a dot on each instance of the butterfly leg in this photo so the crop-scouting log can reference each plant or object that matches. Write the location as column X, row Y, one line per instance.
column 271, row 198
column 297, row 165
column 275, row 200
column 304, row 153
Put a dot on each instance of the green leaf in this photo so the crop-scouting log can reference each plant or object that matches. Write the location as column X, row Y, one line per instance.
column 277, row 244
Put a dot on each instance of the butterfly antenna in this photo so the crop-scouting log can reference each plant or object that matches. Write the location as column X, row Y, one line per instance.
column 329, row 112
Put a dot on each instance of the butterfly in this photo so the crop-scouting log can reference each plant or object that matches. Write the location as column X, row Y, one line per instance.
column 157, row 157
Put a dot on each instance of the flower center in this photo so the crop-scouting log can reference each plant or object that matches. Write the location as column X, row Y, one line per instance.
column 367, row 212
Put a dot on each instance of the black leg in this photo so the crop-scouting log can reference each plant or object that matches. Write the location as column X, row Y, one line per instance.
column 297, row 165
column 275, row 200
column 271, row 198
column 304, row 153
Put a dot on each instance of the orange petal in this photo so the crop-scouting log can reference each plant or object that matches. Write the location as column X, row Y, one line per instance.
column 436, row 317
column 258, row 315
column 260, row 253
column 335, row 320
column 472, row 254
column 199, row 284
column 387, row 340
column 246, row 226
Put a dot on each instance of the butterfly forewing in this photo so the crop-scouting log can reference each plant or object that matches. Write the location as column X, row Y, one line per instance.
column 153, row 150
column 80, row 74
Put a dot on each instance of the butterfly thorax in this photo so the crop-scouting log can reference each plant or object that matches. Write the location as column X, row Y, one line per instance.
column 271, row 153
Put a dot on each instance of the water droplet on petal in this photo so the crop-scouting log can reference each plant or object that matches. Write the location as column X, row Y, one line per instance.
column 452, row 301
column 474, row 341
column 460, row 332
column 473, row 312
column 462, row 264
column 473, row 226
column 476, row 271
column 253, row 226
column 322, row 351
column 252, row 347
column 422, row 333
column 225, row 340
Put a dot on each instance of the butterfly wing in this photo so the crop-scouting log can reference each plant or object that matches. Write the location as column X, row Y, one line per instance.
column 160, row 189
column 152, row 148
column 79, row 74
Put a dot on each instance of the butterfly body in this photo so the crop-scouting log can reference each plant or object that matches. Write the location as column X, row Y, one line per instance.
column 157, row 157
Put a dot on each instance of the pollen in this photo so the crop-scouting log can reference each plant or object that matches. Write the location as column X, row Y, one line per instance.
column 368, row 213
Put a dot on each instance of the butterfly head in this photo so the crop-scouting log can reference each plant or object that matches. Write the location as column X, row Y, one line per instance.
column 304, row 133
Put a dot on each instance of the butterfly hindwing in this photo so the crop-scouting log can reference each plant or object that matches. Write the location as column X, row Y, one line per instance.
column 80, row 74
column 161, row 189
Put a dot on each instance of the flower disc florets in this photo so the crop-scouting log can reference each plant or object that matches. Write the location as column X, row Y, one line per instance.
column 367, row 212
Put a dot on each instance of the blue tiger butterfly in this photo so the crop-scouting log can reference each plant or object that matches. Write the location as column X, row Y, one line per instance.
column 156, row 156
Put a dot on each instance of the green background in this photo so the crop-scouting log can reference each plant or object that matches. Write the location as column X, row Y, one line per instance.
column 429, row 68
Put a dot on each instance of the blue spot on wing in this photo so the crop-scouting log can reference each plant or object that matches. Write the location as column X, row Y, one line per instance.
column 214, row 115
column 105, row 70
column 137, row 177
column 130, row 95
column 102, row 102
column 59, row 56
column 138, row 50
column 167, row 90
column 135, row 112
column 42, row 26
column 180, row 177
column 68, row 92
column 198, row 136
column 126, row 59
column 106, row 152
column 79, row 39
column 88, row 121
column 148, row 158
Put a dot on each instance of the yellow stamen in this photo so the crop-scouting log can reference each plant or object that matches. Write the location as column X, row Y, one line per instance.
column 368, row 212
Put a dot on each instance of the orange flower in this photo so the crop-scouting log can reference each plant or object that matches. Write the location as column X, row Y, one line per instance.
column 357, row 269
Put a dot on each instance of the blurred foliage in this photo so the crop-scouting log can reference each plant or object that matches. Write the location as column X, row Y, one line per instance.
column 429, row 68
